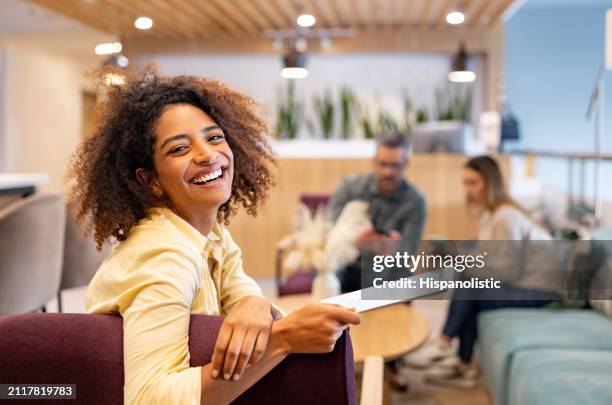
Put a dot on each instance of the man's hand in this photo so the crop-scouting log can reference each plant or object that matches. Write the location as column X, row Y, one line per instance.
column 378, row 243
column 364, row 235
column 243, row 337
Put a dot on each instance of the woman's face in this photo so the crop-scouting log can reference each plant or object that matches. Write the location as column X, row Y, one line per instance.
column 475, row 188
column 193, row 161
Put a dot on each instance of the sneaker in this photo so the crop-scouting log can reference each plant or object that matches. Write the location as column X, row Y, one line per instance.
column 431, row 354
column 455, row 377
column 448, row 362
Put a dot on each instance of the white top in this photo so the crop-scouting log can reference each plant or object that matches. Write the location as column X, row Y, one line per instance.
column 522, row 263
column 510, row 223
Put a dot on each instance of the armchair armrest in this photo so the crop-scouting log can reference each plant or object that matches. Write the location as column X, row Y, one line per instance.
column 87, row 350
column 372, row 381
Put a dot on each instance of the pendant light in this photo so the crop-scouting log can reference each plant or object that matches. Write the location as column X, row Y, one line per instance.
column 294, row 64
column 460, row 72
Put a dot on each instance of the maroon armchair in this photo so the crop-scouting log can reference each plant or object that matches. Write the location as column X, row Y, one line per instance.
column 86, row 350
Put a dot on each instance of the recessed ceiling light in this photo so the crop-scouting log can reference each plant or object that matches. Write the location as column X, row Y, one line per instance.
column 306, row 20
column 108, row 48
column 143, row 23
column 455, row 17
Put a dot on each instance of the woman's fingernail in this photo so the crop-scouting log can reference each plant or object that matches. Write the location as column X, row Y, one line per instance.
column 215, row 373
column 236, row 377
column 248, row 365
column 226, row 376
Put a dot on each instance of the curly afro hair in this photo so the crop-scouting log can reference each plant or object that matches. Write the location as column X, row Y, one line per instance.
column 101, row 177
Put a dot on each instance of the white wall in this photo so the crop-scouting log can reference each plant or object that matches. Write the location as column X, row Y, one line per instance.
column 3, row 140
column 42, row 110
column 376, row 78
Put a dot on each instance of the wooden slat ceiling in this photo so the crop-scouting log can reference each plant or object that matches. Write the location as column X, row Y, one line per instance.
column 208, row 21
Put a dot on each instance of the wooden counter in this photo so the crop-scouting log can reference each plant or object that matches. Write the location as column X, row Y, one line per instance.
column 438, row 176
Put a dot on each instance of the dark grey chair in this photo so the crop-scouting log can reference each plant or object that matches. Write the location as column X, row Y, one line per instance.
column 31, row 251
column 81, row 258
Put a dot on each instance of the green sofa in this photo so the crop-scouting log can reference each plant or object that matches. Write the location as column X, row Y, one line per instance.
column 546, row 356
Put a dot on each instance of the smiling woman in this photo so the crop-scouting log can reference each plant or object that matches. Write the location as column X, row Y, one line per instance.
column 171, row 159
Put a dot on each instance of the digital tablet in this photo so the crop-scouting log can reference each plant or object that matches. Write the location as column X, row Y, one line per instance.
column 354, row 299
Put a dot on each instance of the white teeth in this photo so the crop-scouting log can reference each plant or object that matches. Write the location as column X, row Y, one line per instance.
column 210, row 176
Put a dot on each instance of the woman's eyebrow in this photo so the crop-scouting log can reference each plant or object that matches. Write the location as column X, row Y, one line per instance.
column 173, row 138
column 210, row 128
column 185, row 136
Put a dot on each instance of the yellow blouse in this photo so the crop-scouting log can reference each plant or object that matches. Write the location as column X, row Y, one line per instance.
column 163, row 272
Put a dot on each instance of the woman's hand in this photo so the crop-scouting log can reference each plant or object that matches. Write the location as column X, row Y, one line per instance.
column 243, row 337
column 314, row 328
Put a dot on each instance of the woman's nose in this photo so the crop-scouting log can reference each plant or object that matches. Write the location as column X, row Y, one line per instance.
column 203, row 152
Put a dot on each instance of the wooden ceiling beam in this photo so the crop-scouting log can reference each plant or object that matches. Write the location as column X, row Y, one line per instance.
column 469, row 8
column 410, row 16
column 475, row 19
column 203, row 24
column 332, row 9
column 73, row 10
column 258, row 16
column 505, row 5
column 164, row 12
column 235, row 14
column 364, row 13
column 424, row 13
column 288, row 9
column 347, row 12
column 377, row 12
column 398, row 12
column 217, row 17
column 274, row 13
column 394, row 9
column 323, row 8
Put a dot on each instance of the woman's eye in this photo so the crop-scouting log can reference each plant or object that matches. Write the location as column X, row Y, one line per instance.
column 178, row 149
column 216, row 138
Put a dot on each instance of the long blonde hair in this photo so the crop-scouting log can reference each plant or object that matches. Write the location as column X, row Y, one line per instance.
column 495, row 189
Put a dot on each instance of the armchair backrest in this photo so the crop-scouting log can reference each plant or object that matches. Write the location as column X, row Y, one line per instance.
column 87, row 350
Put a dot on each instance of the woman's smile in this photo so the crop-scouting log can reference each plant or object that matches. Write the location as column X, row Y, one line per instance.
column 214, row 178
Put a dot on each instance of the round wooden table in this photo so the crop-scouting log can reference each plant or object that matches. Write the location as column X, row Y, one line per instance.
column 388, row 332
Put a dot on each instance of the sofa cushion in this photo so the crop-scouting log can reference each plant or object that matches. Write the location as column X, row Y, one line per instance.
column 503, row 333
column 561, row 377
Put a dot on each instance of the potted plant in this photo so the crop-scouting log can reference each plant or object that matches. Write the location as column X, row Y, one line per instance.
column 289, row 113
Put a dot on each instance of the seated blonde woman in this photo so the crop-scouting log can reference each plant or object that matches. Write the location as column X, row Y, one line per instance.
column 501, row 219
column 171, row 160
